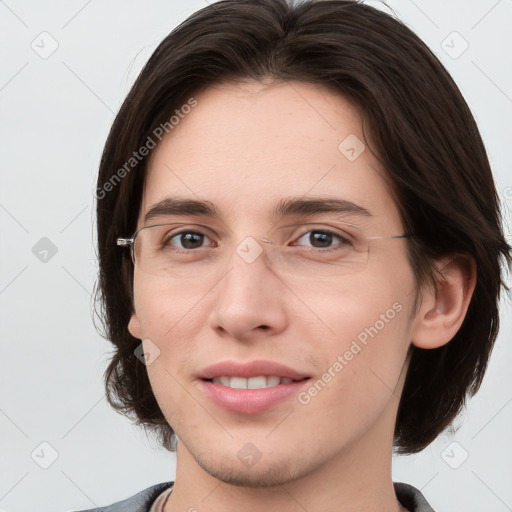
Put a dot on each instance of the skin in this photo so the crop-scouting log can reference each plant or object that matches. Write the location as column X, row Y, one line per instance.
column 244, row 147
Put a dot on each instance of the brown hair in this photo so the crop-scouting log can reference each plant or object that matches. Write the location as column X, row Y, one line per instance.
column 421, row 130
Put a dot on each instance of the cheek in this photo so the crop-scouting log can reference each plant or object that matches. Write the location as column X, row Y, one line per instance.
column 359, row 366
column 362, row 306
column 169, row 317
column 368, row 331
column 163, row 309
column 171, row 320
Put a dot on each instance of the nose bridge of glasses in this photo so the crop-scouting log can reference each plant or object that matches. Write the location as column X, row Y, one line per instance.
column 252, row 247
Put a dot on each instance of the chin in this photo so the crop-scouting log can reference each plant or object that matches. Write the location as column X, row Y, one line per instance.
column 262, row 474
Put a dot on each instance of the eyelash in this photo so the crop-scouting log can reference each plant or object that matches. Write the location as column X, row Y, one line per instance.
column 343, row 240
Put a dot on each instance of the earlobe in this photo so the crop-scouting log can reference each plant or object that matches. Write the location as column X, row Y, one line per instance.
column 134, row 327
column 443, row 310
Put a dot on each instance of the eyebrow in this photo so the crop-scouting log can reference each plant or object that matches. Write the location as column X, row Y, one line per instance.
column 286, row 207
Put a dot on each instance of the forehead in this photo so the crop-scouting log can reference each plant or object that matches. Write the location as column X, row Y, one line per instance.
column 245, row 147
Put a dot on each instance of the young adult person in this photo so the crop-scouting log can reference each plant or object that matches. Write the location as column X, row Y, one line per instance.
column 301, row 256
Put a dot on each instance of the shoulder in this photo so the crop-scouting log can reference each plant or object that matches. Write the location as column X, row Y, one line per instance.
column 411, row 498
column 140, row 502
column 408, row 496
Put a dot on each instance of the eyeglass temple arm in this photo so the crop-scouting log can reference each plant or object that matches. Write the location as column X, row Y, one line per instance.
column 406, row 235
column 124, row 242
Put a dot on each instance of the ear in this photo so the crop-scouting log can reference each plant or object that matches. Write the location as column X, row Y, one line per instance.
column 444, row 308
column 134, row 326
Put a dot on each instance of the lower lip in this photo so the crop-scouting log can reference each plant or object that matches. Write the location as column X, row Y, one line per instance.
column 250, row 401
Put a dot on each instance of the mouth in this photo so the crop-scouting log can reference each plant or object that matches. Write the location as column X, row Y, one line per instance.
column 250, row 388
column 258, row 382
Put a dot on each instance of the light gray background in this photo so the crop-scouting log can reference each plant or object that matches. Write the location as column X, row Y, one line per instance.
column 55, row 114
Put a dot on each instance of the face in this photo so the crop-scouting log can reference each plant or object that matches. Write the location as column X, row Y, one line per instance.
column 341, row 337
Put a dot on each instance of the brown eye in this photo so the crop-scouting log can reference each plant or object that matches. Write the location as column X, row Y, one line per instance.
column 323, row 239
column 186, row 240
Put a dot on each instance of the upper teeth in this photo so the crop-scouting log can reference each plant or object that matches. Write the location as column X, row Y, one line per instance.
column 252, row 382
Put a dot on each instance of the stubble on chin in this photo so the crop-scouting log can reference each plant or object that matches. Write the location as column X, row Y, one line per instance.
column 263, row 474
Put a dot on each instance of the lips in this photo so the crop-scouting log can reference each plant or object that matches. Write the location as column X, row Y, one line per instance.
column 250, row 388
column 251, row 369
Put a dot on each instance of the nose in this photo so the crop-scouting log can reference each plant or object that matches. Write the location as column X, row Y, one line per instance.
column 250, row 298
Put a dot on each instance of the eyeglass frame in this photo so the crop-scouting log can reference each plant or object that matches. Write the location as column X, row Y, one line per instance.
column 130, row 241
